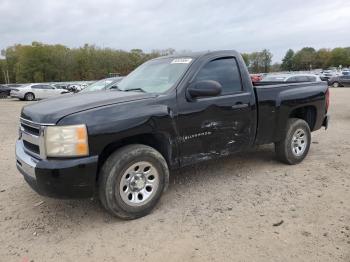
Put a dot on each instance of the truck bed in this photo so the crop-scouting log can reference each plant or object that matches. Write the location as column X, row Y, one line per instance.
column 278, row 101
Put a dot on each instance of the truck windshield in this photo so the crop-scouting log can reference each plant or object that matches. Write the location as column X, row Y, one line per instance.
column 155, row 76
column 99, row 85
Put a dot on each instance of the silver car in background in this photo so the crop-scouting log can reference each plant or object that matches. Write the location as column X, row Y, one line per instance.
column 292, row 78
column 31, row 92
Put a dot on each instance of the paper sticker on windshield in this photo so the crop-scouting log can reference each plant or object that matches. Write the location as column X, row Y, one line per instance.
column 181, row 61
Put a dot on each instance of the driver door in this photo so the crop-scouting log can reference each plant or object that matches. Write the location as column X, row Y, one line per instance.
column 210, row 127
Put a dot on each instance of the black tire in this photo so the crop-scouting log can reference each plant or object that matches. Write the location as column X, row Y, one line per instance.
column 29, row 96
column 336, row 84
column 113, row 171
column 284, row 149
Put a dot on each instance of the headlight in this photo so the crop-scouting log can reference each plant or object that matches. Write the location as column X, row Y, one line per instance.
column 66, row 141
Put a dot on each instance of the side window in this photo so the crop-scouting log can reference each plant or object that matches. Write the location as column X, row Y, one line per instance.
column 36, row 87
column 304, row 79
column 292, row 79
column 46, row 87
column 311, row 78
column 298, row 79
column 223, row 70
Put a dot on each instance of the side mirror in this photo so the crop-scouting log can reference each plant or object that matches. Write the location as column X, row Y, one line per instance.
column 204, row 88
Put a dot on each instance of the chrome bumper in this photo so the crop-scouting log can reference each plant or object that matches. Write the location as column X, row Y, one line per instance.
column 25, row 163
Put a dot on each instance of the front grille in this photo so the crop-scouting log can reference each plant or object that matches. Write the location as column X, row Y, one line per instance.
column 31, row 147
column 31, row 130
column 32, row 138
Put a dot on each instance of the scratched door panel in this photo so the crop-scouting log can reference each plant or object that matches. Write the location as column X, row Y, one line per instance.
column 213, row 127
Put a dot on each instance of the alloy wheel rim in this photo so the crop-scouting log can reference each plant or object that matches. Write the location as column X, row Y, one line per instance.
column 139, row 183
column 299, row 142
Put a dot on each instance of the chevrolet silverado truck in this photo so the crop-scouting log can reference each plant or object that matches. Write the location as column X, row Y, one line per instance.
column 168, row 113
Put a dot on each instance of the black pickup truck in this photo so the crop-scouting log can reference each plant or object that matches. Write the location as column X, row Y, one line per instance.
column 168, row 113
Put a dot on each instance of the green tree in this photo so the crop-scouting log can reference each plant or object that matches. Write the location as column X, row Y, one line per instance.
column 339, row 57
column 287, row 61
column 323, row 58
column 305, row 59
column 246, row 59
column 260, row 61
column 2, row 70
column 276, row 67
column 266, row 60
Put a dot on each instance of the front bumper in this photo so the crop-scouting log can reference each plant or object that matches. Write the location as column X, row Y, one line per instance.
column 16, row 95
column 63, row 178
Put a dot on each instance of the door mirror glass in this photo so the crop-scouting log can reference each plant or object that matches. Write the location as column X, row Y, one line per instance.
column 205, row 88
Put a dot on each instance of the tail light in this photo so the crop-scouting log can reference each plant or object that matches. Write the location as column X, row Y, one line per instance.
column 327, row 99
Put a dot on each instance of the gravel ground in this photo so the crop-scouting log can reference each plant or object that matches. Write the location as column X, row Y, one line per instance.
column 219, row 211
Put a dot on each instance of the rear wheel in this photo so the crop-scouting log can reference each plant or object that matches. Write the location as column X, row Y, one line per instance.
column 29, row 97
column 132, row 180
column 293, row 148
column 336, row 84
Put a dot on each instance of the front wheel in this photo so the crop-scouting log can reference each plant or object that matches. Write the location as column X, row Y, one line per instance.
column 29, row 97
column 293, row 148
column 132, row 180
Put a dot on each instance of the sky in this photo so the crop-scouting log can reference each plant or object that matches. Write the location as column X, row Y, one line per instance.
column 196, row 25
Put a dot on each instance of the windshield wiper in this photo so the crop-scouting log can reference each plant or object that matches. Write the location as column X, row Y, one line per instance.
column 135, row 89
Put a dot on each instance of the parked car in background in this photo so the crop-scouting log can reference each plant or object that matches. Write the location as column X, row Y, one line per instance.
column 346, row 72
column 4, row 91
column 256, row 77
column 339, row 81
column 292, row 78
column 61, row 86
column 74, row 88
column 13, row 85
column 31, row 92
column 328, row 74
column 104, row 84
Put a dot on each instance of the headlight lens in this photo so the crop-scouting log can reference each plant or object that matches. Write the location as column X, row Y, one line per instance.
column 66, row 141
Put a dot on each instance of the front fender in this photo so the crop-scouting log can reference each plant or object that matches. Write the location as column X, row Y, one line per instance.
column 114, row 123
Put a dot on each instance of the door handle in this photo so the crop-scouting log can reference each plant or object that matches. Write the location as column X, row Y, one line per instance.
column 239, row 106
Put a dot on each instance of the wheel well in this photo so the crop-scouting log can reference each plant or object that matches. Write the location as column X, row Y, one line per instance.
column 307, row 113
column 29, row 93
column 158, row 141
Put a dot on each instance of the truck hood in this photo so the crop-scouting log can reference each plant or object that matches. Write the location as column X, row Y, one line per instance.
column 50, row 111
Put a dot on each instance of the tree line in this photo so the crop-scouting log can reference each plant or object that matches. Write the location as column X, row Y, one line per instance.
column 258, row 62
column 40, row 62
column 309, row 58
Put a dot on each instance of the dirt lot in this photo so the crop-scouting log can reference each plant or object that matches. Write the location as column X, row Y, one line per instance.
column 219, row 211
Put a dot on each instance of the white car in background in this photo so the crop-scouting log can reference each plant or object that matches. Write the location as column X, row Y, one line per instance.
column 293, row 78
column 31, row 92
